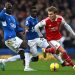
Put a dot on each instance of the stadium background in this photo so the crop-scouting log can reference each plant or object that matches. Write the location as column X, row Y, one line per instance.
column 21, row 11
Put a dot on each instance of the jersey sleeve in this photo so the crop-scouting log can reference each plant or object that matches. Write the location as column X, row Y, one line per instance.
column 2, row 16
column 63, row 21
column 67, row 26
column 18, row 28
column 27, row 23
column 40, row 24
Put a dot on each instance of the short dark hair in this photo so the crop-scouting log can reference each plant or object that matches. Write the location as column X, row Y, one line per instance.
column 33, row 8
column 8, row 4
column 53, row 9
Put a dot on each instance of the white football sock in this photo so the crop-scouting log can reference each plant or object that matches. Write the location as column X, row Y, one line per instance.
column 13, row 58
column 58, row 57
column 27, row 59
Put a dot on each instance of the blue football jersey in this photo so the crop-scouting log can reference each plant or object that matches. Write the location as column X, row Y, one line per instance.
column 10, row 25
column 31, row 22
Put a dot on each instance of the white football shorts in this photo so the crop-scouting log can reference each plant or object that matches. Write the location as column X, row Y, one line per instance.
column 14, row 43
column 41, row 42
column 56, row 43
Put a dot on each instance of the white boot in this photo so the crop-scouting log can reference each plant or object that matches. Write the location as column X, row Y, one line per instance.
column 28, row 69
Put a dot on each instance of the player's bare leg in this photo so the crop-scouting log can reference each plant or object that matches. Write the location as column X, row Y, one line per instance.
column 25, row 57
column 21, row 51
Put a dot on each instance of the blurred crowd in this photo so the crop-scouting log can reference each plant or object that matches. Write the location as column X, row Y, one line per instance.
column 22, row 8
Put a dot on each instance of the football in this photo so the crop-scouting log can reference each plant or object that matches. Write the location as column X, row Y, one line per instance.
column 54, row 66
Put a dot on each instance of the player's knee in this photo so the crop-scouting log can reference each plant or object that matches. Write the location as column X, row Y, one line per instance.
column 50, row 50
column 24, row 45
column 21, row 52
column 63, row 51
column 34, row 59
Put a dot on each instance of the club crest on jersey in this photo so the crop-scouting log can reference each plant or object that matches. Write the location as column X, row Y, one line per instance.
column 12, row 25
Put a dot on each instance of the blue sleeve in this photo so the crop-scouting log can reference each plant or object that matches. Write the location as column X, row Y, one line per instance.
column 37, row 20
column 2, row 16
column 18, row 28
column 27, row 22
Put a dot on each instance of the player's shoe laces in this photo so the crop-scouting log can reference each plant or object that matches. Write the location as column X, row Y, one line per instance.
column 28, row 69
column 65, row 64
column 74, row 67
column 2, row 64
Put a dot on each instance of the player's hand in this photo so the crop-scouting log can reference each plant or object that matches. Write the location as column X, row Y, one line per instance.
column 26, row 30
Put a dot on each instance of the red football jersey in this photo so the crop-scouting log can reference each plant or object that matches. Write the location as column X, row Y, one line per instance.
column 53, row 29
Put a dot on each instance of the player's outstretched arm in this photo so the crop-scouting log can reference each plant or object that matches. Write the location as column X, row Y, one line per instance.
column 2, row 17
column 69, row 29
column 40, row 24
column 67, row 26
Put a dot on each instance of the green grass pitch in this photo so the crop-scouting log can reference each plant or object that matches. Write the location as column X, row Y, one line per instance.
column 42, row 67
